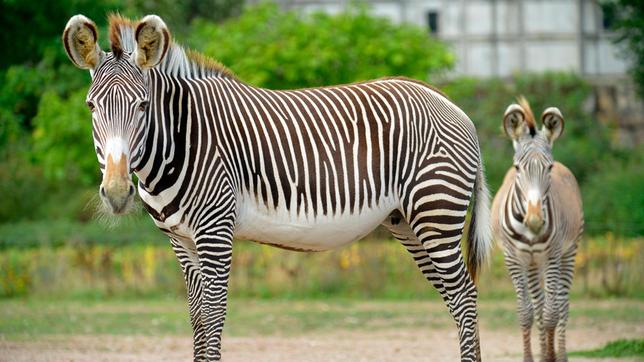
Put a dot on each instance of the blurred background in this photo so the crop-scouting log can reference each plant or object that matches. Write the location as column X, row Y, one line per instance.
column 585, row 57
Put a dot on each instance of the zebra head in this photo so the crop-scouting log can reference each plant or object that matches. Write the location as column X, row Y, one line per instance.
column 118, row 96
column 533, row 159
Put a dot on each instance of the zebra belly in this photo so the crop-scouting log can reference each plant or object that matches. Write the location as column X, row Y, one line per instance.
column 286, row 229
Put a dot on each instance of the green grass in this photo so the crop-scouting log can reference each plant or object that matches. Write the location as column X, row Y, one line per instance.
column 30, row 318
column 618, row 348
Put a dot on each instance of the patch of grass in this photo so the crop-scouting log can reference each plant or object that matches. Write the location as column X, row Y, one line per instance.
column 618, row 348
column 33, row 318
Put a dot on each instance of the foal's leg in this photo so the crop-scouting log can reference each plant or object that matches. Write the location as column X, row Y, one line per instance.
column 551, row 307
column 567, row 272
column 524, row 306
column 536, row 290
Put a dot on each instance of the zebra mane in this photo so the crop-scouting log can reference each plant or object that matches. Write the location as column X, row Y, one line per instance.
column 529, row 116
column 178, row 60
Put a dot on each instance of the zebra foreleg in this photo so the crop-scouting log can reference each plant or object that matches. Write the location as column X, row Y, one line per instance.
column 551, row 305
column 524, row 305
column 215, row 256
column 536, row 291
column 190, row 266
column 567, row 272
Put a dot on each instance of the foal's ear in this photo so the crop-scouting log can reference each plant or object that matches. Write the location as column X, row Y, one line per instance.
column 152, row 41
column 553, row 123
column 81, row 42
column 514, row 121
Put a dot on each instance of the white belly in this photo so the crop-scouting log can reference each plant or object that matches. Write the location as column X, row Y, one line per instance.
column 304, row 232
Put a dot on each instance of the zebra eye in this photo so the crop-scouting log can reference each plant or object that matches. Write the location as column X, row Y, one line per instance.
column 143, row 106
column 91, row 106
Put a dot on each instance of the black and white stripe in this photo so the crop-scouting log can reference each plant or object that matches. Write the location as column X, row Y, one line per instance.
column 539, row 257
column 306, row 169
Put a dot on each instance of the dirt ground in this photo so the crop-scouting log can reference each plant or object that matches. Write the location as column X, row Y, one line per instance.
column 409, row 344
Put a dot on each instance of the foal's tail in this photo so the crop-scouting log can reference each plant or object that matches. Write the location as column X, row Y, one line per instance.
column 479, row 238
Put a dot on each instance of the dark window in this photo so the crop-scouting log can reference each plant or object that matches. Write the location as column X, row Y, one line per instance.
column 432, row 21
column 609, row 13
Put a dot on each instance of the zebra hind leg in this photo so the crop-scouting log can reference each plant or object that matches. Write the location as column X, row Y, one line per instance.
column 440, row 236
column 567, row 271
column 401, row 230
column 524, row 306
column 190, row 266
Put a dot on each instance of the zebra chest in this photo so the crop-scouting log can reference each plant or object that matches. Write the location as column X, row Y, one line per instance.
column 283, row 228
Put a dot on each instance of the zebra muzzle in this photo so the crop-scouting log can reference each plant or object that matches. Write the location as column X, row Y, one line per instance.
column 534, row 218
column 117, row 189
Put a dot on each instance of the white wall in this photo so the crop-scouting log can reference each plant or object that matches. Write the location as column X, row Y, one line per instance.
column 502, row 37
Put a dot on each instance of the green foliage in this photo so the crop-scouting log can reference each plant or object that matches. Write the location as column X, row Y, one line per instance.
column 179, row 14
column 62, row 140
column 31, row 28
column 613, row 196
column 47, row 162
column 21, row 185
column 484, row 101
column 610, row 178
column 619, row 348
column 281, row 50
column 626, row 17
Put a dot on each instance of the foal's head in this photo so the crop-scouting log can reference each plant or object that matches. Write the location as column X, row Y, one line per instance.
column 533, row 160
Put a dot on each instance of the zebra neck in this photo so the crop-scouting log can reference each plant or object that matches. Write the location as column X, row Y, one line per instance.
column 169, row 125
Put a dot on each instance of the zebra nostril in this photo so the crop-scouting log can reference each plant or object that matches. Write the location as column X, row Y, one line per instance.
column 131, row 190
column 102, row 191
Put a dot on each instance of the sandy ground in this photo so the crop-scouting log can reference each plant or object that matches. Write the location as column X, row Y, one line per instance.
column 395, row 345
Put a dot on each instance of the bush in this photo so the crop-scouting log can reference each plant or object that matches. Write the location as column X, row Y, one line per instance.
column 613, row 197
column 270, row 48
column 62, row 139
column 584, row 138
column 21, row 185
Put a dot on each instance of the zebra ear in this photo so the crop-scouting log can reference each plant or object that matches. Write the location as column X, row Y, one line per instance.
column 152, row 41
column 553, row 123
column 514, row 123
column 81, row 42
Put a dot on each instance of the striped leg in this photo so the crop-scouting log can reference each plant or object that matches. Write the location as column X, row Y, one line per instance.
column 536, row 291
column 567, row 272
column 551, row 304
column 190, row 266
column 524, row 305
column 401, row 230
column 440, row 237
column 215, row 256
column 214, row 248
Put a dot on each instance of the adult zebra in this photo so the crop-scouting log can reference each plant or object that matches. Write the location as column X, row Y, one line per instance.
column 537, row 218
column 308, row 169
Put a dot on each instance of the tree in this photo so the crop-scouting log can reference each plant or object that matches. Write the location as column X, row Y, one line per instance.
column 626, row 17
column 276, row 49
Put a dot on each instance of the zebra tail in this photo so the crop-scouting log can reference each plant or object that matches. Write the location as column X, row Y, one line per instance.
column 479, row 238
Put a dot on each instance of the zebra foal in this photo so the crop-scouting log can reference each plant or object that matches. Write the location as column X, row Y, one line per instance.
column 305, row 169
column 537, row 219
